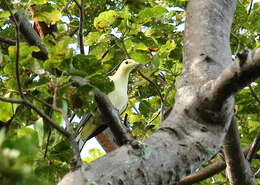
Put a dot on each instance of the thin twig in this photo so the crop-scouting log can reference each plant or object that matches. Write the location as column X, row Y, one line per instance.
column 54, row 104
column 48, row 119
column 254, row 94
column 17, row 70
column 81, row 24
column 153, row 84
column 73, row 32
column 238, row 43
column 164, row 99
column 154, row 118
column 47, row 144
column 66, row 6
column 77, row 3
column 257, row 172
column 46, row 104
column 125, row 119
column 250, row 7
column 254, row 147
column 12, row 100
column 42, row 114
column 124, row 47
column 113, row 69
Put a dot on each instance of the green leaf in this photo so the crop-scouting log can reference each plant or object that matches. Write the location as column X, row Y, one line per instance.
column 102, row 82
column 6, row 111
column 105, row 20
column 88, row 65
column 58, row 116
column 92, row 38
column 93, row 155
column 99, row 50
column 147, row 14
column 144, row 108
column 38, row 126
column 140, row 57
column 40, row 1
column 167, row 48
column 47, row 13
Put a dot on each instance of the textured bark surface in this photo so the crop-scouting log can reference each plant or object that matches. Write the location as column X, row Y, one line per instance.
column 208, row 171
column 238, row 168
column 195, row 129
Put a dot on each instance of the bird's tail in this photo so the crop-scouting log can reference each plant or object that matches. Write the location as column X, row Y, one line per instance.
column 89, row 127
column 84, row 124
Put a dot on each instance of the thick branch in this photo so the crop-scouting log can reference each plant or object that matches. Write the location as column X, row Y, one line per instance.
column 112, row 117
column 207, row 172
column 238, row 169
column 31, row 36
column 238, row 75
column 204, row 173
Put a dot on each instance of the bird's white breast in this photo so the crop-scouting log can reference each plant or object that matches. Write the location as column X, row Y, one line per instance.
column 118, row 96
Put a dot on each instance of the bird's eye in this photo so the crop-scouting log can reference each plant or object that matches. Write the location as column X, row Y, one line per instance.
column 126, row 62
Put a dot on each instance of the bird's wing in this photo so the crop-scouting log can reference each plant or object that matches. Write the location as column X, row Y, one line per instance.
column 82, row 123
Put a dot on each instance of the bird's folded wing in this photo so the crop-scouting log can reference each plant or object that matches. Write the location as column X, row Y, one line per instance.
column 82, row 123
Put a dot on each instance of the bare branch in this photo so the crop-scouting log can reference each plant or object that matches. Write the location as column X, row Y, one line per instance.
column 77, row 3
column 47, row 118
column 81, row 24
column 17, row 71
column 11, row 100
column 236, row 76
column 204, row 173
column 238, row 168
column 124, row 47
column 153, row 84
column 47, row 144
column 254, row 94
column 254, row 147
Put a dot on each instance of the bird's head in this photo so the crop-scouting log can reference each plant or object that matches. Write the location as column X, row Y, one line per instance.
column 128, row 65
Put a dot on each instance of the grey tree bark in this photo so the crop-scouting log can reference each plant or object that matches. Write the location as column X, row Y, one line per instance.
column 238, row 168
column 194, row 131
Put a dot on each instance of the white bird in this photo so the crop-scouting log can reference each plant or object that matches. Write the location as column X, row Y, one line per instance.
column 93, row 125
